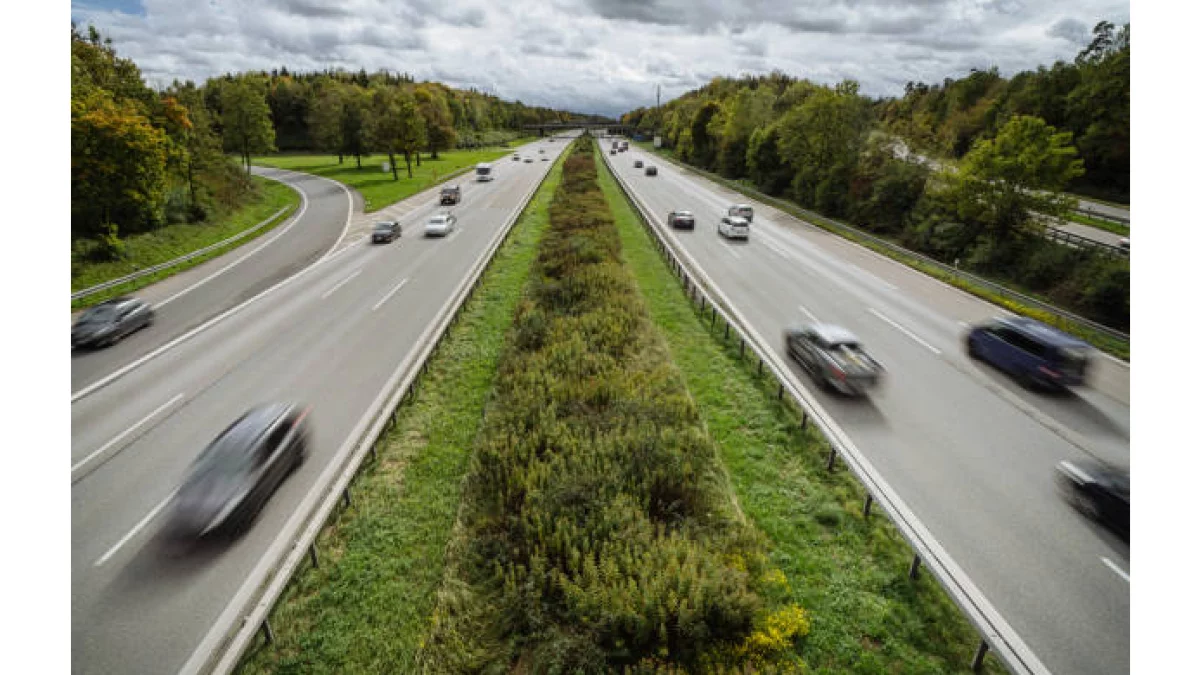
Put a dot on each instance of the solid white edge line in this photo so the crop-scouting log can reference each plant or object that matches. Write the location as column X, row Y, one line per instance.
column 123, row 434
column 906, row 331
column 341, row 283
column 390, row 294
column 136, row 528
column 1113, row 566
column 271, row 240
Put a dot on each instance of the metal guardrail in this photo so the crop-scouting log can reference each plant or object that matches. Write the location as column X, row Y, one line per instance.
column 995, row 633
column 92, row 290
column 245, row 617
column 1071, row 239
column 788, row 208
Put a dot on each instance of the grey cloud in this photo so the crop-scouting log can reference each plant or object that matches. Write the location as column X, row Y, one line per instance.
column 1072, row 30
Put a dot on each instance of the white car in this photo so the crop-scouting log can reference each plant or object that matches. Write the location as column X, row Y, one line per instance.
column 441, row 225
column 734, row 227
column 742, row 211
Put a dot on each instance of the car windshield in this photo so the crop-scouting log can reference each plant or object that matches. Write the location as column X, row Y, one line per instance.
column 383, row 226
column 437, row 220
column 100, row 314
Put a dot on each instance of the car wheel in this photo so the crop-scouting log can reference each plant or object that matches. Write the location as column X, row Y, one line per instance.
column 972, row 350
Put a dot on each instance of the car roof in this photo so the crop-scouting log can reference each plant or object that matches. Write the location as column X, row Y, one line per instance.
column 1041, row 332
column 384, row 223
column 246, row 430
column 737, row 220
column 682, row 213
column 741, row 206
column 832, row 334
column 439, row 216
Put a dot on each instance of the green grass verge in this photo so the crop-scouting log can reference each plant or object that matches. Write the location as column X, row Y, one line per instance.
column 365, row 609
column 850, row 573
column 376, row 186
column 173, row 241
column 1098, row 223
column 1114, row 346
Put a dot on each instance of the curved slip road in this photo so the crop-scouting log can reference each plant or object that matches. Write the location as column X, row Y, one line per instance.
column 190, row 298
column 329, row 337
column 967, row 449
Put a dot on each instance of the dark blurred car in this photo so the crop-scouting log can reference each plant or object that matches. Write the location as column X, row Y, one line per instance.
column 1098, row 491
column 109, row 321
column 385, row 231
column 1034, row 353
column 637, row 163
column 528, row 160
column 681, row 220
column 833, row 357
column 613, row 151
column 451, row 195
column 516, row 158
column 233, row 477
column 652, row 170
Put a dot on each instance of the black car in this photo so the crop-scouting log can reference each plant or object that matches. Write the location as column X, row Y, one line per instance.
column 385, row 231
column 451, row 195
column 110, row 321
column 637, row 163
column 652, row 170
column 233, row 477
column 681, row 220
column 1098, row 491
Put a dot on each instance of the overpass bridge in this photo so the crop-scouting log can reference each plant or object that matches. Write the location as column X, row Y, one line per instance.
column 610, row 127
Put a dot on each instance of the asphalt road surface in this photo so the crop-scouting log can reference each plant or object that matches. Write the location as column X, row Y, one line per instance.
column 970, row 452
column 330, row 337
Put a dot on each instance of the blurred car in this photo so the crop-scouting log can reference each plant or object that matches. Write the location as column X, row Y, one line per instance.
column 833, row 357
column 516, row 158
column 541, row 151
column 637, row 164
column 451, row 195
column 651, row 170
column 110, row 321
column 230, row 481
column 1098, row 491
column 528, row 160
column 440, row 225
column 1035, row 354
column 385, row 231
column 742, row 211
column 613, row 151
column 545, row 159
column 734, row 227
column 681, row 220
column 1123, row 244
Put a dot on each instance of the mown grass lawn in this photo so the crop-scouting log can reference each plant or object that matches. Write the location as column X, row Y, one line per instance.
column 173, row 241
column 365, row 609
column 848, row 571
column 376, row 186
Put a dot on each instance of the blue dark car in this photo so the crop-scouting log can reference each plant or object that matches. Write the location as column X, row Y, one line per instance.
column 1032, row 352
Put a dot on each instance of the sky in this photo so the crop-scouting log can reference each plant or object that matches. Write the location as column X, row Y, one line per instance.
column 600, row 56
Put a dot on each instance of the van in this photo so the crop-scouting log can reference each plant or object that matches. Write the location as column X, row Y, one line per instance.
column 742, row 211
column 1032, row 352
column 483, row 172
column 734, row 227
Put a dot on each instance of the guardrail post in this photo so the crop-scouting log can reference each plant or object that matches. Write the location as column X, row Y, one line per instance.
column 346, row 496
column 803, row 415
column 702, row 305
column 312, row 553
column 780, row 394
column 726, row 330
column 867, row 506
column 760, row 366
column 268, row 634
column 977, row 662
column 832, row 456
column 742, row 350
column 915, row 567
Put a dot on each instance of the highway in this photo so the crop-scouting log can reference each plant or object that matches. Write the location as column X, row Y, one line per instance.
column 329, row 336
column 970, row 452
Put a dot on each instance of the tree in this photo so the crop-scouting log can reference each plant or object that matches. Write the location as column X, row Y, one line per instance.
column 764, row 163
column 751, row 109
column 1003, row 181
column 395, row 126
column 703, row 146
column 118, row 166
column 439, row 122
column 325, row 120
column 246, row 120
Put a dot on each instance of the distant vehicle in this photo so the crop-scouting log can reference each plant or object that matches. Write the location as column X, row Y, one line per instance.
column 230, row 482
column 110, row 321
column 615, row 145
column 451, row 195
column 528, row 160
column 541, row 151
column 1098, row 491
column 545, row 159
column 441, row 225
column 834, row 358
column 516, row 158
column 613, row 151
column 1032, row 352
column 624, row 146
column 734, row 227
column 385, row 231
column 483, row 172
column 637, row 163
column 681, row 220
column 742, row 211
column 1123, row 244
column 651, row 170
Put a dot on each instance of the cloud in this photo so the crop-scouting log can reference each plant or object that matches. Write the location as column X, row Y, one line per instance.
column 605, row 56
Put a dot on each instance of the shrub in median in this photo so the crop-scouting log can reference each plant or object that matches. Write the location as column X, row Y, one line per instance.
column 597, row 531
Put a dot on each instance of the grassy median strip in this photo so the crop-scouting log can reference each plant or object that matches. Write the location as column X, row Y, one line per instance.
column 172, row 241
column 364, row 609
column 1098, row 223
column 1115, row 346
column 848, row 572
column 376, row 186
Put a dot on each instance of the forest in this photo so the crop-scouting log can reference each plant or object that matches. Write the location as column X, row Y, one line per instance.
column 1008, row 152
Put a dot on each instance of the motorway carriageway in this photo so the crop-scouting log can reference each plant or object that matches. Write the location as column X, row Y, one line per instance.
column 330, row 337
column 970, row 452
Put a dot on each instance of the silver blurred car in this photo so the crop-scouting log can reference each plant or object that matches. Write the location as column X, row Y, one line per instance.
column 441, row 225
column 110, row 321
column 834, row 358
